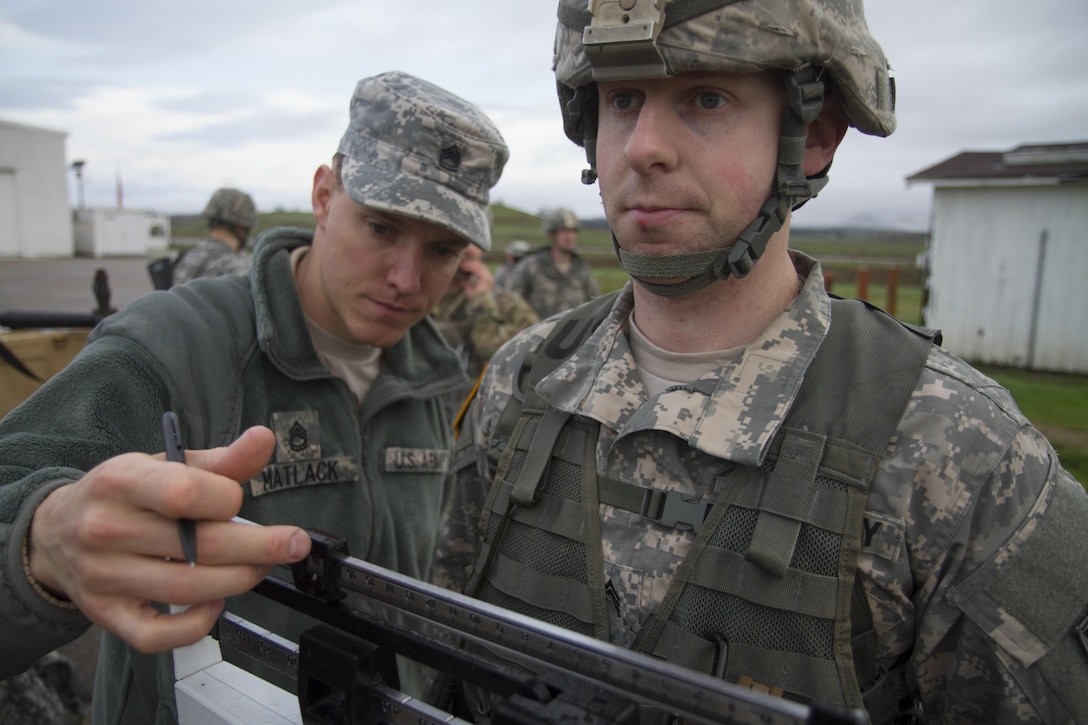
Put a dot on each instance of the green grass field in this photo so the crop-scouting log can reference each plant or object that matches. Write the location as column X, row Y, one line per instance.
column 1056, row 404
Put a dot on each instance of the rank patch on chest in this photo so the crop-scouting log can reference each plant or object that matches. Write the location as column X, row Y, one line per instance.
column 298, row 435
column 416, row 460
column 297, row 461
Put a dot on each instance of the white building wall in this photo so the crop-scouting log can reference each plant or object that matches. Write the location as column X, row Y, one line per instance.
column 34, row 216
column 1000, row 293
column 120, row 232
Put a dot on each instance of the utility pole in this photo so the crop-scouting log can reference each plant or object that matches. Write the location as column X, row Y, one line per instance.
column 77, row 166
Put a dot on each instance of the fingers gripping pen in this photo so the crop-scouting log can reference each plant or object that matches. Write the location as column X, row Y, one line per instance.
column 175, row 451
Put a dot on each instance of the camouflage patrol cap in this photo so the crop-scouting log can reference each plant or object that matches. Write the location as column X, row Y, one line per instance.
column 628, row 39
column 414, row 149
column 560, row 218
column 233, row 207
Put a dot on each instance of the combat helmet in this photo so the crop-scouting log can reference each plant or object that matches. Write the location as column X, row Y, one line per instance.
column 232, row 206
column 560, row 218
column 817, row 44
column 518, row 248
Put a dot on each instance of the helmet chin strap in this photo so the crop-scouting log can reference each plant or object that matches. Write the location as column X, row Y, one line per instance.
column 697, row 270
column 700, row 269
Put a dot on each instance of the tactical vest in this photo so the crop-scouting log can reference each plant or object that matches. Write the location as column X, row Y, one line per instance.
column 767, row 595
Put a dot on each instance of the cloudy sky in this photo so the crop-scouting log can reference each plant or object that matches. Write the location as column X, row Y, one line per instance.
column 178, row 99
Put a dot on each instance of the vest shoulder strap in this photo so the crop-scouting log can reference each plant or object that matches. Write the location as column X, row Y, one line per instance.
column 566, row 337
column 869, row 361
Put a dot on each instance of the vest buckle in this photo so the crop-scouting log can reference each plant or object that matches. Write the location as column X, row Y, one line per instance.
column 673, row 509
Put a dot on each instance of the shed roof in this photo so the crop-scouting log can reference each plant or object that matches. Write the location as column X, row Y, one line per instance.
column 1035, row 163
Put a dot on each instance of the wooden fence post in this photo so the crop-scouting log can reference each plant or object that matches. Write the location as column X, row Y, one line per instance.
column 863, row 283
column 893, row 289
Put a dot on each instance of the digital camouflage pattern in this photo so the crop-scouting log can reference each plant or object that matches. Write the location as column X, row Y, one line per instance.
column 415, row 149
column 233, row 207
column 970, row 518
column 785, row 34
column 478, row 326
column 46, row 694
column 549, row 290
column 210, row 258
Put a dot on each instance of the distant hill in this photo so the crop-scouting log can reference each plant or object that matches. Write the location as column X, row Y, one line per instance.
column 508, row 224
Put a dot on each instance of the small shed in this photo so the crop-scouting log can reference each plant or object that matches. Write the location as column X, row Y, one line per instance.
column 34, row 216
column 1007, row 255
column 120, row 232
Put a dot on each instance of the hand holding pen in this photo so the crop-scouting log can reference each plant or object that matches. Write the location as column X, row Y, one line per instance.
column 101, row 541
column 175, row 451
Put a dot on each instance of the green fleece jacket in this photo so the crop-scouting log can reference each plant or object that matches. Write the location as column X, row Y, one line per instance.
column 226, row 354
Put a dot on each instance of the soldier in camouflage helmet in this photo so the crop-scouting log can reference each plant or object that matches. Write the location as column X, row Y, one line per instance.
column 316, row 382
column 555, row 278
column 795, row 494
column 232, row 217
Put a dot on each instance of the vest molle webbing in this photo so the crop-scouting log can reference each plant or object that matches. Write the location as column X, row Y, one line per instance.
column 767, row 594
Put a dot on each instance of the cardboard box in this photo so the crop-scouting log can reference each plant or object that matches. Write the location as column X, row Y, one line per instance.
column 43, row 352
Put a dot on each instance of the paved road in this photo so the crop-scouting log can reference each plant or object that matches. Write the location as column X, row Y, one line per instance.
column 65, row 285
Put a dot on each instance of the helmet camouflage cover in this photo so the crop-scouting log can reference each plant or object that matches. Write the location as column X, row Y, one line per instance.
column 627, row 39
column 560, row 218
column 233, row 207
column 518, row 248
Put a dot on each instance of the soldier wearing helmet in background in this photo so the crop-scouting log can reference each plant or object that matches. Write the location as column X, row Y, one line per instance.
column 232, row 217
column 555, row 278
column 796, row 494
column 515, row 252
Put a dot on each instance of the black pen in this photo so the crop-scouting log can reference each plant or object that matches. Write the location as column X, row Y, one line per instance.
column 175, row 451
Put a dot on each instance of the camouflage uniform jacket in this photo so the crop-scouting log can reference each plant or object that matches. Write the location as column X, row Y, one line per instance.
column 210, row 258
column 548, row 290
column 969, row 557
column 478, row 326
column 239, row 354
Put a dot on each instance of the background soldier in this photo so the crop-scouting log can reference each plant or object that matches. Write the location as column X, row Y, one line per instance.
column 232, row 217
column 790, row 492
column 515, row 252
column 555, row 278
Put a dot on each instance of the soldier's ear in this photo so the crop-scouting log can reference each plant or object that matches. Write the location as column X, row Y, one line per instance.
column 824, row 136
column 325, row 186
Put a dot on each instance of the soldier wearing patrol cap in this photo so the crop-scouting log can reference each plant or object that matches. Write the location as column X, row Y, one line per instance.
column 792, row 493
column 555, row 278
column 232, row 217
column 316, row 382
